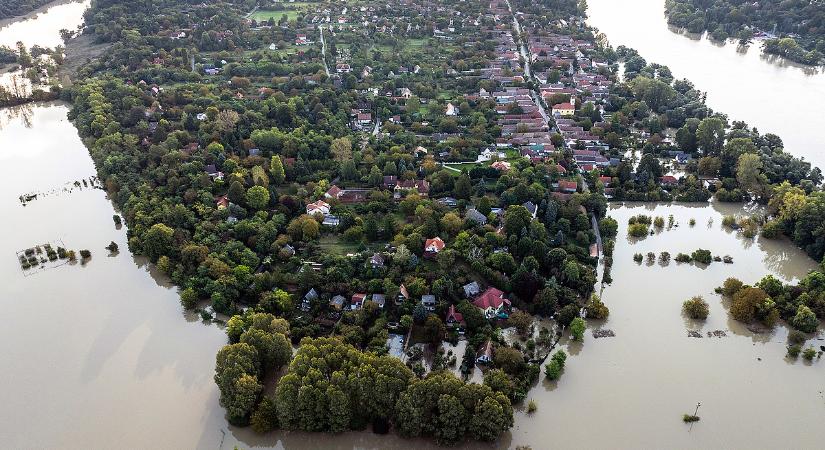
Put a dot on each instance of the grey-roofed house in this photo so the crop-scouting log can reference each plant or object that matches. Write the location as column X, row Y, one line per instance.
column 306, row 302
column 471, row 289
column 379, row 300
column 338, row 302
column 473, row 215
column 428, row 301
column 531, row 208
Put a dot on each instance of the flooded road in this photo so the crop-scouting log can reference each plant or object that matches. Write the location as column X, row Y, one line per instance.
column 769, row 93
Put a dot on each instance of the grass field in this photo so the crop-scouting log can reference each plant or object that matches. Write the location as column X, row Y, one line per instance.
column 265, row 15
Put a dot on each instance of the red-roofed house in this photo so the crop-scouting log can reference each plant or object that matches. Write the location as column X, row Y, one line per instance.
column 568, row 186
column 564, row 109
column 454, row 319
column 502, row 166
column 433, row 246
column 333, row 192
column 357, row 301
column 222, row 202
column 668, row 180
column 318, row 207
column 606, row 181
column 493, row 303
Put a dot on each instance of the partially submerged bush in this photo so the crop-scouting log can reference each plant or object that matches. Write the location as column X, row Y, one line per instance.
column 696, row 308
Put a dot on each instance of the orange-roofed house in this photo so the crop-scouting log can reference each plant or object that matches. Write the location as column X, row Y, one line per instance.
column 433, row 246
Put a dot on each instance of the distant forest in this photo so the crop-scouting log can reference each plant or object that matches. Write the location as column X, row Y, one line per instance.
column 13, row 8
column 800, row 22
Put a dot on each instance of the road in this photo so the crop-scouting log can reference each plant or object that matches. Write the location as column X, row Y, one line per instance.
column 525, row 56
column 324, row 50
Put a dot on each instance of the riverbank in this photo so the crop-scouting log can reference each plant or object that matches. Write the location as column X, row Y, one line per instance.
column 80, row 50
column 35, row 12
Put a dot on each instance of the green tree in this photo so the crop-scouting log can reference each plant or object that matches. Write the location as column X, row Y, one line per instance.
column 805, row 320
column 265, row 417
column 577, row 328
column 257, row 197
column 158, row 241
column 463, row 187
column 276, row 169
column 188, row 298
column 710, row 135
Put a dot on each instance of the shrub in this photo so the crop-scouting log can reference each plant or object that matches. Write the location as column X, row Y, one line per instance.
column 638, row 257
column 596, row 308
column 696, row 308
column 731, row 286
column 664, row 257
column 532, row 406
column 687, row 418
column 692, row 222
column 729, row 221
column 659, row 222
column 637, row 230
column 794, row 350
column 702, row 256
column 809, row 353
column 805, row 319
column 85, row 254
column 651, row 257
column 796, row 337
column 682, row 257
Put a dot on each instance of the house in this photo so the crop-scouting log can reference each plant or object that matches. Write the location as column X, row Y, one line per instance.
column 288, row 249
column 402, row 296
column 421, row 186
column 390, row 181
column 222, row 202
column 473, row 215
column 531, row 208
column 333, row 192
column 357, row 301
column 319, row 206
column 379, row 300
column 451, row 110
column 343, row 68
column 306, row 302
column 331, row 221
column 485, row 354
column 213, row 172
column 428, row 301
column 605, row 181
column 564, row 109
column 568, row 186
column 449, row 202
column 377, row 261
column 471, row 289
column 364, row 118
column 502, row 166
column 433, row 246
column 337, row 302
column 454, row 319
column 668, row 180
column 492, row 303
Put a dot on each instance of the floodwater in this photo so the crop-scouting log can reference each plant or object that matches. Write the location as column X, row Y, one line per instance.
column 630, row 391
column 770, row 93
column 43, row 27
column 101, row 355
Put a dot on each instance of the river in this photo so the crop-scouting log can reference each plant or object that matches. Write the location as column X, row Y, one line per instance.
column 102, row 355
column 769, row 93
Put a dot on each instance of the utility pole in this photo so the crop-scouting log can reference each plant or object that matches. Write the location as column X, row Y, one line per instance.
column 695, row 414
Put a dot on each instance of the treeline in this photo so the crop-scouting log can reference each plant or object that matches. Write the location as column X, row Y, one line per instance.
column 14, row 8
column 331, row 386
column 798, row 22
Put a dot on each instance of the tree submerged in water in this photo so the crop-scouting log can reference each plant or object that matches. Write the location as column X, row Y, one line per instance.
column 112, row 247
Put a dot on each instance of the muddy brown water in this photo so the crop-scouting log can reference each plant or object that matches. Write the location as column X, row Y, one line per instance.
column 102, row 356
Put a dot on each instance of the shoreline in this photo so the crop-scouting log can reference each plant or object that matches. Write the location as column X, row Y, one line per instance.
column 35, row 12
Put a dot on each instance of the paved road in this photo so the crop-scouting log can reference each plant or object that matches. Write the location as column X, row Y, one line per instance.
column 324, row 50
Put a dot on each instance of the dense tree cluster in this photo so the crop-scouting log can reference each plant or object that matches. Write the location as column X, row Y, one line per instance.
column 724, row 19
column 12, row 8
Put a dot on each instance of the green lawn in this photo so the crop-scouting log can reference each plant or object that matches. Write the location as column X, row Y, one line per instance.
column 265, row 15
